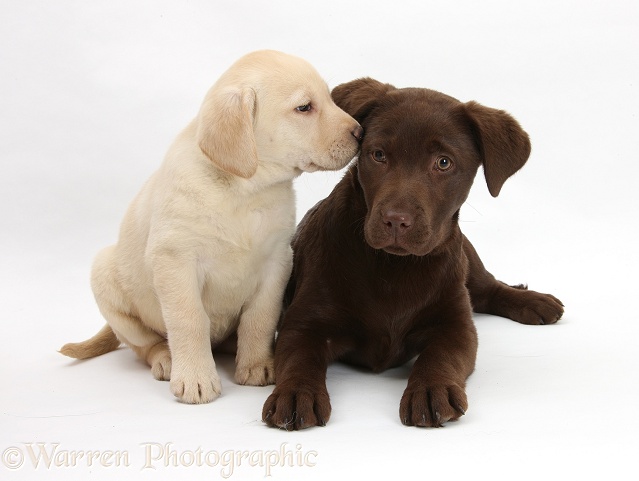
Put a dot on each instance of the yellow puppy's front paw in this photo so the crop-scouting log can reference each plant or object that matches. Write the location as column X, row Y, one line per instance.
column 256, row 374
column 196, row 389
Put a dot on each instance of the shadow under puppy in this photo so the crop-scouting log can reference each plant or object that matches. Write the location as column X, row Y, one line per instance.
column 204, row 249
column 382, row 272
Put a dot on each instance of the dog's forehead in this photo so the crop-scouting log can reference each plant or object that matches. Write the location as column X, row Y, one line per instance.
column 276, row 77
column 294, row 86
column 411, row 117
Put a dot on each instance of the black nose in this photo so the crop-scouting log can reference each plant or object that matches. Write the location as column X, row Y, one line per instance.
column 397, row 221
column 358, row 133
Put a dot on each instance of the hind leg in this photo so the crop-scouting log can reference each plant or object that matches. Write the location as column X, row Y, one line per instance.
column 113, row 303
column 158, row 357
column 490, row 296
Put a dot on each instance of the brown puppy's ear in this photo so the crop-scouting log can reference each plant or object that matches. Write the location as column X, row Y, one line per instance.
column 225, row 130
column 358, row 97
column 503, row 144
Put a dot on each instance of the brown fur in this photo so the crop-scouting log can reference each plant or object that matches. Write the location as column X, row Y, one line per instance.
column 382, row 272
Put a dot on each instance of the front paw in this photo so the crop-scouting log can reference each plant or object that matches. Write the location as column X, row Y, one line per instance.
column 294, row 409
column 257, row 374
column 196, row 387
column 432, row 406
column 535, row 308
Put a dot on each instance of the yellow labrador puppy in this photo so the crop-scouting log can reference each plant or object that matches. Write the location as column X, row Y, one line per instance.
column 204, row 249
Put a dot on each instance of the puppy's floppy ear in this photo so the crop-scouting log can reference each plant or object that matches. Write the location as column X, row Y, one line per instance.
column 225, row 130
column 503, row 144
column 358, row 97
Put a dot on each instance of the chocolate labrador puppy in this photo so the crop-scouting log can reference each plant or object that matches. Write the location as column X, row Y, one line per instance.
column 382, row 272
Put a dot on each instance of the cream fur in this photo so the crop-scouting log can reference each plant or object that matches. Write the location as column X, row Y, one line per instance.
column 203, row 250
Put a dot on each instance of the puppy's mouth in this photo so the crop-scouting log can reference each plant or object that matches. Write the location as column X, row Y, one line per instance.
column 397, row 250
column 397, row 247
column 325, row 164
column 400, row 245
column 311, row 167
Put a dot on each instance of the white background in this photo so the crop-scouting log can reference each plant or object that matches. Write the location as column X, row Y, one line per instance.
column 92, row 94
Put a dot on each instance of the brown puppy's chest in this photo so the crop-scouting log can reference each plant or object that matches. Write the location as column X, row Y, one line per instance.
column 381, row 346
column 393, row 307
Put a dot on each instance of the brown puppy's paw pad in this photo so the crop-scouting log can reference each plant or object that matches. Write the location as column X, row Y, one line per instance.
column 432, row 406
column 292, row 409
column 258, row 374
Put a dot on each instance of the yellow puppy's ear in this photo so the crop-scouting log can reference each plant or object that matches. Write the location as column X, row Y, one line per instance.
column 225, row 130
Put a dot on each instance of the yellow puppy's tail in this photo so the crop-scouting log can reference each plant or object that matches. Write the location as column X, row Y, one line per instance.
column 104, row 341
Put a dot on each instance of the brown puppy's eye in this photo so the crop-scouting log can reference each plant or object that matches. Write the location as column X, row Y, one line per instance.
column 304, row 108
column 378, row 156
column 444, row 163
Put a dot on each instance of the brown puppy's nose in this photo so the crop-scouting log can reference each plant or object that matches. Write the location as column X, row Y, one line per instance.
column 397, row 221
column 358, row 133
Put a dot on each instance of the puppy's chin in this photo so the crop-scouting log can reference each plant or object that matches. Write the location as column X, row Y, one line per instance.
column 396, row 251
column 324, row 163
column 398, row 248
column 309, row 167
column 316, row 167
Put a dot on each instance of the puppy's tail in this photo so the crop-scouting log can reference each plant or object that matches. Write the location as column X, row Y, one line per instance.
column 104, row 341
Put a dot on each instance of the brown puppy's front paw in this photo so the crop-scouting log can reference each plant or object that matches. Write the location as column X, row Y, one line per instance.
column 294, row 409
column 432, row 406
column 535, row 308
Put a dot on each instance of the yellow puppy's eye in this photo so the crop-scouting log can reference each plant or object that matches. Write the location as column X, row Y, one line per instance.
column 304, row 108
column 444, row 163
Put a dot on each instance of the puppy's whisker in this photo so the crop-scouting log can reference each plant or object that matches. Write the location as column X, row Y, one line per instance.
column 471, row 206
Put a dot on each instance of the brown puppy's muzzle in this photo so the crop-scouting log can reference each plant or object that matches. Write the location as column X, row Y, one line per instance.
column 398, row 231
column 398, row 226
